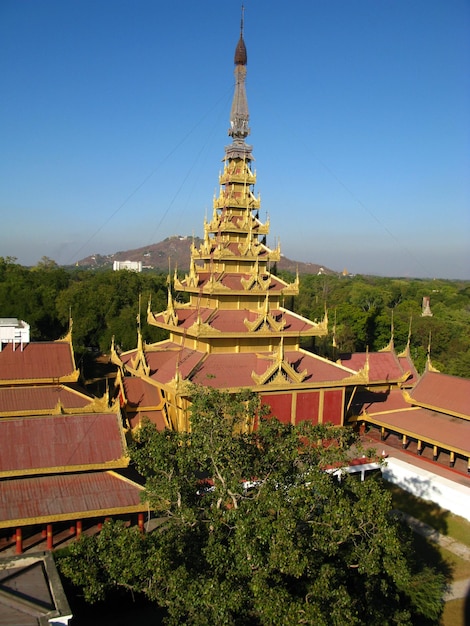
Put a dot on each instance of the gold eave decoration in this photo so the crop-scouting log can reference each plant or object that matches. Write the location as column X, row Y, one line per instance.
column 361, row 378
column 214, row 284
column 70, row 378
column 292, row 289
column 279, row 374
column 221, row 252
column 256, row 281
column 201, row 328
column 139, row 362
column 265, row 322
column 170, row 317
column 259, row 282
column 180, row 385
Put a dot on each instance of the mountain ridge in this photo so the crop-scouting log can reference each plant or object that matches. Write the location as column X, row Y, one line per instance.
column 174, row 252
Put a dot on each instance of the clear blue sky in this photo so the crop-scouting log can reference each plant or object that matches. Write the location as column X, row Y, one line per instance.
column 114, row 117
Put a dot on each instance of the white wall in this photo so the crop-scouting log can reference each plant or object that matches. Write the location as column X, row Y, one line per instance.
column 449, row 495
column 13, row 330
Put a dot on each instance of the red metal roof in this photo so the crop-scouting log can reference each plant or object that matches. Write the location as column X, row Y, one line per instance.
column 234, row 370
column 141, row 393
column 233, row 321
column 45, row 360
column 383, row 366
column 66, row 496
column 44, row 397
column 165, row 358
column 380, row 402
column 156, row 417
column 450, row 432
column 232, row 281
column 60, row 441
column 407, row 365
column 442, row 392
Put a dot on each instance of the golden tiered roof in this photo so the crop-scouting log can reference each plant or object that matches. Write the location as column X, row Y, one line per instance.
column 235, row 331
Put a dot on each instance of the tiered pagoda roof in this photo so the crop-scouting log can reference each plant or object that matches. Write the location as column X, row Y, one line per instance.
column 235, row 331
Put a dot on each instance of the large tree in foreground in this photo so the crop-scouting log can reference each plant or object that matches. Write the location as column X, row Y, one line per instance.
column 253, row 530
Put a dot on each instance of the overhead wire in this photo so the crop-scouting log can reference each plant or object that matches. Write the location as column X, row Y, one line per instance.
column 145, row 180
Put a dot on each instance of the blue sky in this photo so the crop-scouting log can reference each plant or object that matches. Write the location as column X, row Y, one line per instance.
column 114, row 117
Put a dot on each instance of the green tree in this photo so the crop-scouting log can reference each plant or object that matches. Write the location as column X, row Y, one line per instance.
column 253, row 530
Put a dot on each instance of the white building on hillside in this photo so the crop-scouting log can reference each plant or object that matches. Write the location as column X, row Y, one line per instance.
column 133, row 266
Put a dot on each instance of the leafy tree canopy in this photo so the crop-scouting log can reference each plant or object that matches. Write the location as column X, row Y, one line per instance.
column 252, row 529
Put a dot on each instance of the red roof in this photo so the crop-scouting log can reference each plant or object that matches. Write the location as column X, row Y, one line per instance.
column 165, row 359
column 380, row 402
column 407, row 365
column 44, row 397
column 442, row 392
column 383, row 366
column 60, row 441
column 141, row 393
column 228, row 370
column 232, row 281
column 45, row 360
column 233, row 321
column 66, row 496
column 234, row 370
column 450, row 432
column 156, row 417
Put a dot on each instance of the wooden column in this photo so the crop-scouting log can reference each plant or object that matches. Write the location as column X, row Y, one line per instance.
column 79, row 528
column 140, row 522
column 434, row 453
column 419, row 447
column 50, row 537
column 452, row 458
column 382, row 433
column 19, row 541
column 404, row 441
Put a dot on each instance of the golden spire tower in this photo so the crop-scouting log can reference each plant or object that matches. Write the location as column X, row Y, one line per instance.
column 234, row 332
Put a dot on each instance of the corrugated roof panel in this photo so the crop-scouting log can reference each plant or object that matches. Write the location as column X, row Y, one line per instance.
column 65, row 496
column 41, row 443
column 450, row 432
column 36, row 360
column 383, row 366
column 30, row 398
column 141, row 393
column 443, row 392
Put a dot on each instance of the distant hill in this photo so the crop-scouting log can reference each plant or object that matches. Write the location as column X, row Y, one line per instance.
column 177, row 249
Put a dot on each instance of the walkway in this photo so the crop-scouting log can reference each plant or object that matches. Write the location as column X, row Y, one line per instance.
column 459, row 588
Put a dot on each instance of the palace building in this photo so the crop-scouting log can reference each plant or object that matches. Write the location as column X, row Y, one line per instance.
column 235, row 332
column 63, row 452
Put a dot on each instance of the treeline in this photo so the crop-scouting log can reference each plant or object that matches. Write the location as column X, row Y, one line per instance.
column 360, row 309
column 101, row 304
column 363, row 309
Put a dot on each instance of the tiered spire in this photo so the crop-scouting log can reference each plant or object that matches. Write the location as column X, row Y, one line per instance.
column 239, row 116
column 234, row 332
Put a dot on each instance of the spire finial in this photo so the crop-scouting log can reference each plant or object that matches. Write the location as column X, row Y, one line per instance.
column 239, row 116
